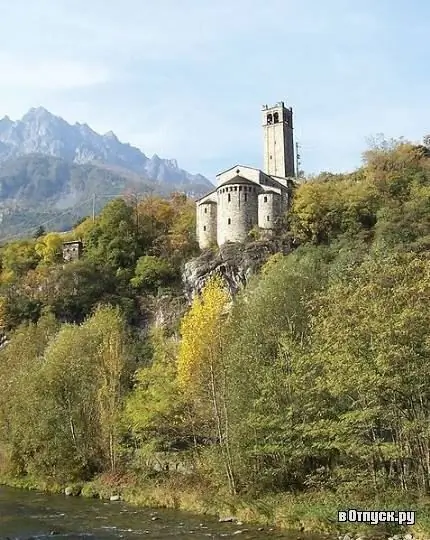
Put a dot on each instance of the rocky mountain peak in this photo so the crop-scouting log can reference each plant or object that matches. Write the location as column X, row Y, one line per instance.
column 41, row 132
column 110, row 135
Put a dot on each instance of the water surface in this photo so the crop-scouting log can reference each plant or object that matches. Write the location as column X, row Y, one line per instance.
column 28, row 514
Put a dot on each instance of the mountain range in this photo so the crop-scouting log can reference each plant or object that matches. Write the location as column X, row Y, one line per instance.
column 50, row 170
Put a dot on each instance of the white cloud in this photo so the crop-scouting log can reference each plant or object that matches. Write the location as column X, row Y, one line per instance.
column 49, row 74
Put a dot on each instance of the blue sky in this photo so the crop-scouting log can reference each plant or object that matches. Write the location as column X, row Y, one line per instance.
column 186, row 78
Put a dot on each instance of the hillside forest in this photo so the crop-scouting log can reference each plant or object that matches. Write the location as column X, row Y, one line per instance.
column 314, row 378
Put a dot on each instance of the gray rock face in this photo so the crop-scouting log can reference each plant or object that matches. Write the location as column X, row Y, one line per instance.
column 234, row 263
column 40, row 132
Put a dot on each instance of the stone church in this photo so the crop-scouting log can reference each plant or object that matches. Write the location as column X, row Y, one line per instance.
column 245, row 197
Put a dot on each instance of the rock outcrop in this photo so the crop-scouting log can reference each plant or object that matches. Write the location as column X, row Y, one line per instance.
column 234, row 263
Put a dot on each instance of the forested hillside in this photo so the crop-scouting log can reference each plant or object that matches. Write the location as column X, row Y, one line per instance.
column 313, row 383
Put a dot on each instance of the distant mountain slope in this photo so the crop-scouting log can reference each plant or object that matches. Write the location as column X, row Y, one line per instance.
column 48, row 165
column 40, row 132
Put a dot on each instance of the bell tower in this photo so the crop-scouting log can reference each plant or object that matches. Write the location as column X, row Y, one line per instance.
column 278, row 140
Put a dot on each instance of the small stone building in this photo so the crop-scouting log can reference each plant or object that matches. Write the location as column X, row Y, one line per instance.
column 246, row 197
column 72, row 250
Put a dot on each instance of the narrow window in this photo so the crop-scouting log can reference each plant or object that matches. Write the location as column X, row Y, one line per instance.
column 229, row 197
column 246, row 197
column 229, row 221
column 269, row 118
column 276, row 118
column 265, row 199
column 268, row 218
column 206, row 210
column 240, row 188
column 235, row 188
column 204, row 227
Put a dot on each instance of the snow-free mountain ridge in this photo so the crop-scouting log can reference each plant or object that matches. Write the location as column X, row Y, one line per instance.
column 41, row 132
column 52, row 172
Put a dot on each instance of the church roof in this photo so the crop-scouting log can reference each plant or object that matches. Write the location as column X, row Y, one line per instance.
column 207, row 195
column 238, row 180
column 238, row 166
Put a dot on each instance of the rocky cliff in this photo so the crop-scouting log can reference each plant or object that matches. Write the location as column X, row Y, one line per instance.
column 235, row 263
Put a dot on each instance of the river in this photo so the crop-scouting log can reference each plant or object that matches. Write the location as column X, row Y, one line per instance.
column 28, row 514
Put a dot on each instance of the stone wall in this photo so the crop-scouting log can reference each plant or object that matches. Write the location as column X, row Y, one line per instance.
column 237, row 211
column 278, row 141
column 269, row 209
column 206, row 224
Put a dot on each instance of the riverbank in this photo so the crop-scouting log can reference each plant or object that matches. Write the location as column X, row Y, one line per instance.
column 311, row 512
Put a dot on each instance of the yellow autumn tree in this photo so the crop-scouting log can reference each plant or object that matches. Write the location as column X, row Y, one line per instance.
column 201, row 372
column 201, row 331
column 49, row 247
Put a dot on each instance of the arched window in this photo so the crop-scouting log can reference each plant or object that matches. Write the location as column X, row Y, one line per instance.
column 268, row 218
column 206, row 210
column 204, row 227
column 269, row 119
column 276, row 118
column 235, row 188
column 265, row 199
column 229, row 221
column 229, row 197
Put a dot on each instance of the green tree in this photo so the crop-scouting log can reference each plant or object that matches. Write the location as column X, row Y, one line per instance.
column 157, row 412
column 112, row 360
column 152, row 272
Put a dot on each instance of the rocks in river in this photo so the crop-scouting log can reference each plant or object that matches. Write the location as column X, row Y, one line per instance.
column 72, row 491
column 154, row 518
column 227, row 519
column 115, row 497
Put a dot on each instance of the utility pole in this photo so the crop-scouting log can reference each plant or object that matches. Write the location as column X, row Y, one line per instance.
column 137, row 211
column 298, row 160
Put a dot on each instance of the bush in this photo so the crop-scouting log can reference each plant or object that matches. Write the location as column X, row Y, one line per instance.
column 152, row 272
